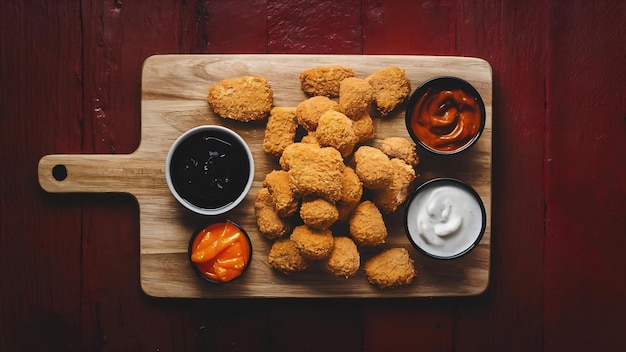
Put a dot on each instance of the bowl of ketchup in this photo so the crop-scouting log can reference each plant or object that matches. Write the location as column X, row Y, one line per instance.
column 220, row 252
column 209, row 169
column 445, row 115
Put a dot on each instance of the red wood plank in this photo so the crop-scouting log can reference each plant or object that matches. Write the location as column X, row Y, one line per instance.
column 40, row 106
column 325, row 27
column 511, row 36
column 586, row 192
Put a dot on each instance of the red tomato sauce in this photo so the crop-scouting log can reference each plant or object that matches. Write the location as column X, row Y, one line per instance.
column 446, row 120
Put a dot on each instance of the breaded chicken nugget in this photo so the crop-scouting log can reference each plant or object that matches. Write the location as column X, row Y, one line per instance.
column 285, row 201
column 391, row 268
column 246, row 98
column 388, row 199
column 402, row 148
column 312, row 243
column 324, row 80
column 355, row 97
column 309, row 138
column 280, row 130
column 351, row 193
column 344, row 260
column 314, row 170
column 363, row 128
column 373, row 167
column 285, row 257
column 269, row 223
column 391, row 87
column 367, row 226
column 309, row 111
column 335, row 130
column 318, row 213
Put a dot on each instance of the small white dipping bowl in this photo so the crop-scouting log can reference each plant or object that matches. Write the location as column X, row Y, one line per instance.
column 209, row 169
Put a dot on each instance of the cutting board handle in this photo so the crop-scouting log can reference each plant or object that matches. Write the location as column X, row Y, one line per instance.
column 100, row 173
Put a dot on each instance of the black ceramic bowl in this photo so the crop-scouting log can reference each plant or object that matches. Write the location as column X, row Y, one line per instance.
column 209, row 169
column 225, row 231
column 445, row 218
column 445, row 115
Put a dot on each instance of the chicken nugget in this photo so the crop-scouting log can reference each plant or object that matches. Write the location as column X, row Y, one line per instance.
column 309, row 138
column 324, row 80
column 402, row 148
column 309, row 111
column 268, row 222
column 335, row 130
column 285, row 201
column 344, row 260
column 391, row 87
column 247, row 98
column 373, row 167
column 391, row 268
column 363, row 128
column 318, row 213
column 351, row 193
column 314, row 170
column 367, row 227
column 355, row 97
column 312, row 243
column 388, row 199
column 280, row 130
column 285, row 257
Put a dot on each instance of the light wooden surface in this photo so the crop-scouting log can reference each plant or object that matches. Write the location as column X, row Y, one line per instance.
column 173, row 97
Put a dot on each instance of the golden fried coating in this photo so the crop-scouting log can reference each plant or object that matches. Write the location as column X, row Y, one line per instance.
column 285, row 201
column 335, row 130
column 269, row 223
column 310, row 138
column 373, row 167
column 344, row 260
column 324, row 80
column 391, row 268
column 363, row 128
column 367, row 226
column 402, row 148
column 247, row 98
column 351, row 193
column 391, row 87
column 355, row 97
column 309, row 111
column 318, row 213
column 285, row 257
column 280, row 130
column 314, row 170
column 388, row 199
column 312, row 243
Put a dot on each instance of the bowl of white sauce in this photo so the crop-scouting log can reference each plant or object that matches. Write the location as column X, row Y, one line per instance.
column 445, row 218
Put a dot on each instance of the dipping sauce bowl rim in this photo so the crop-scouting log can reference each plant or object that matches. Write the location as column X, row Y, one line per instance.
column 197, row 209
column 456, row 83
column 466, row 187
column 197, row 232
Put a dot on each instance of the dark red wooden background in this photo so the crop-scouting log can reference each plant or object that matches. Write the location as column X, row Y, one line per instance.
column 70, row 81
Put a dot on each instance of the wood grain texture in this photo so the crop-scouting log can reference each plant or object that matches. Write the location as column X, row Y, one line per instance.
column 173, row 101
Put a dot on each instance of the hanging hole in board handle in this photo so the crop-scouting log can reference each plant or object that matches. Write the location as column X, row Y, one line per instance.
column 59, row 172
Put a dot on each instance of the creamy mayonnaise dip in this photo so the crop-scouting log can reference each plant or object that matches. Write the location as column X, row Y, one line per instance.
column 445, row 218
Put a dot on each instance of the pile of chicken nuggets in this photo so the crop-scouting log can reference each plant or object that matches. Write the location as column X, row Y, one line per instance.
column 328, row 194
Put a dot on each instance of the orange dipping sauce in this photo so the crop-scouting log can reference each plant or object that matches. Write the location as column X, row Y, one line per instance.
column 221, row 251
column 446, row 119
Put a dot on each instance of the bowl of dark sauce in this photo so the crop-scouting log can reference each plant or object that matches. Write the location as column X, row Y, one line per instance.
column 209, row 169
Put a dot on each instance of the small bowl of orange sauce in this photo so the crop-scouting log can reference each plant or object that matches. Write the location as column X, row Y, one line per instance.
column 220, row 252
column 445, row 115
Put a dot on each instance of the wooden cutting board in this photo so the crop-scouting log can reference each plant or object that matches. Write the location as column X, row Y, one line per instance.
column 173, row 100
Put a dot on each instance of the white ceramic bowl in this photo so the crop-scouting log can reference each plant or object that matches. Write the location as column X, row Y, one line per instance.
column 209, row 169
